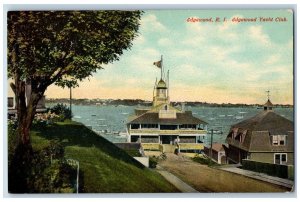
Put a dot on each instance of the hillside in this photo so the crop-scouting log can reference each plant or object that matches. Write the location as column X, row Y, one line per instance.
column 104, row 168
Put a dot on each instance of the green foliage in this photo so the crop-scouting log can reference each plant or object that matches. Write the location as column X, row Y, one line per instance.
column 104, row 168
column 62, row 111
column 204, row 160
column 40, row 171
column 12, row 139
column 133, row 152
column 66, row 46
column 62, row 48
column 153, row 160
column 57, row 177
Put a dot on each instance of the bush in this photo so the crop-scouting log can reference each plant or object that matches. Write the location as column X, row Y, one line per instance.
column 133, row 152
column 12, row 139
column 153, row 161
column 42, row 171
column 203, row 160
column 62, row 111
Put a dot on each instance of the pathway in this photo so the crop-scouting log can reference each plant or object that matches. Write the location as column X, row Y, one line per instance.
column 206, row 179
column 261, row 176
column 178, row 183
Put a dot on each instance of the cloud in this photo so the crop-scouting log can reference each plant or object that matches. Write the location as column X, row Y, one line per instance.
column 139, row 40
column 256, row 33
column 272, row 59
column 165, row 42
column 226, row 62
column 150, row 23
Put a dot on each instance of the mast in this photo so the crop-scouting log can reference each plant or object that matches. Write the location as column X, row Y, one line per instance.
column 168, row 84
column 161, row 69
column 154, row 87
column 268, row 94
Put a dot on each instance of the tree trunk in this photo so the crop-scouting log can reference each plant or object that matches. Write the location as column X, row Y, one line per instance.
column 26, row 111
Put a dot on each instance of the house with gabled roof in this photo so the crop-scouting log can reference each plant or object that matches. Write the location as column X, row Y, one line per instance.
column 216, row 152
column 266, row 137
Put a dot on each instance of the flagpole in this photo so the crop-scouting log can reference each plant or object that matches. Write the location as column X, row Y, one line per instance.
column 168, row 85
column 161, row 69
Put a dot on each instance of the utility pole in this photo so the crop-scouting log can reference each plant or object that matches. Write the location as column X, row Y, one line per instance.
column 71, row 100
column 211, row 142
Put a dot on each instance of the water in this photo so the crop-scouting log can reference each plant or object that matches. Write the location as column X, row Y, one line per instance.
column 110, row 120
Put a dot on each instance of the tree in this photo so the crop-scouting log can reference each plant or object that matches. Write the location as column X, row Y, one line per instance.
column 46, row 47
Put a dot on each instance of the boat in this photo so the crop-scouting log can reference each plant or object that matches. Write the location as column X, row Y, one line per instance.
column 215, row 132
column 239, row 117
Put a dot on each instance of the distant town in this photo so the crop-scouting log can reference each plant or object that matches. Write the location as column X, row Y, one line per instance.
column 133, row 102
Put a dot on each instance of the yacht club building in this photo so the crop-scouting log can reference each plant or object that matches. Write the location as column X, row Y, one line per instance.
column 164, row 127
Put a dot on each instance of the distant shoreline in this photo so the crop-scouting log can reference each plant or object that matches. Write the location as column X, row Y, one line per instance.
column 133, row 102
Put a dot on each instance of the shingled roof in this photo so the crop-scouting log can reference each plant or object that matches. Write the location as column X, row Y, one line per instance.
column 255, row 132
column 181, row 118
column 266, row 121
column 268, row 104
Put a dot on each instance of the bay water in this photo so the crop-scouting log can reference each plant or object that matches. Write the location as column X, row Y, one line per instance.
column 109, row 121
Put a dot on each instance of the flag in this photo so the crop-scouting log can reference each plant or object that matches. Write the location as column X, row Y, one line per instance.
column 158, row 64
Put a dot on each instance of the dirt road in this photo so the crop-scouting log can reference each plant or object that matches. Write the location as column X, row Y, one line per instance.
column 207, row 179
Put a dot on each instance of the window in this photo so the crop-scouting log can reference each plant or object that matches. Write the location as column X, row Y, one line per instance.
column 280, row 158
column 187, row 126
column 135, row 126
column 278, row 139
column 275, row 140
column 149, row 126
column 10, row 102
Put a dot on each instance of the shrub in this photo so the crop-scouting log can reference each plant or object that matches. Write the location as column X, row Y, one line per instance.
column 153, row 161
column 62, row 111
column 133, row 152
column 203, row 160
column 12, row 139
column 42, row 171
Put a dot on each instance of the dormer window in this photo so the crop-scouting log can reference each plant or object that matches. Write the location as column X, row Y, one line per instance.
column 278, row 140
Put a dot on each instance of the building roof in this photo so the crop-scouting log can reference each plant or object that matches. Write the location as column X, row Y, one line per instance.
column 217, row 147
column 268, row 104
column 254, row 134
column 161, row 84
column 266, row 121
column 181, row 118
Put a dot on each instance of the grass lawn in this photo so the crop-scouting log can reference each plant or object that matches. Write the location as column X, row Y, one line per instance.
column 104, row 168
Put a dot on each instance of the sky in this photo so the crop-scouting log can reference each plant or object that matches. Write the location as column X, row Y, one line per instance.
column 219, row 62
